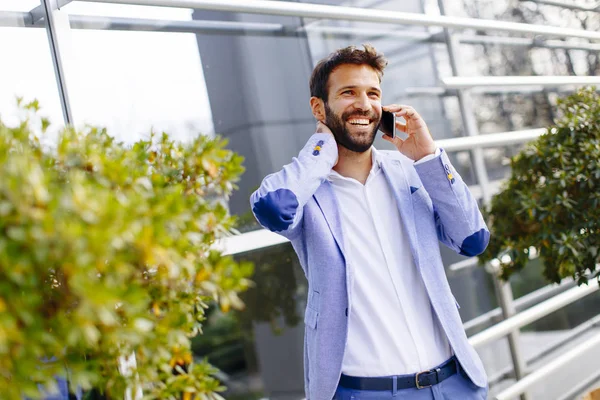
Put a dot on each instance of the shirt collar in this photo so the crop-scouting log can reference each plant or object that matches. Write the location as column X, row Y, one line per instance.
column 376, row 166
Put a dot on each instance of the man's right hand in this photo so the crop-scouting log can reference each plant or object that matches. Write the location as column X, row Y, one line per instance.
column 322, row 128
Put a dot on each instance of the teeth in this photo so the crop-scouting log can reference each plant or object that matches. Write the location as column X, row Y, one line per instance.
column 359, row 121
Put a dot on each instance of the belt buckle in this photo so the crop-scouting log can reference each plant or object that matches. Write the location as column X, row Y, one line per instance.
column 417, row 379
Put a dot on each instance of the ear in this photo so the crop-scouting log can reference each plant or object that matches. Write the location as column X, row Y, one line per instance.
column 318, row 108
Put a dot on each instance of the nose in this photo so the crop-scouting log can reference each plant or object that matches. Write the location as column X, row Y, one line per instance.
column 362, row 102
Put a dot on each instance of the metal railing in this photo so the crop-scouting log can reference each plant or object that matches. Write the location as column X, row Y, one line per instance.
column 521, row 303
column 503, row 84
column 32, row 19
column 509, row 325
column 460, row 82
column 579, row 387
column 579, row 330
column 539, row 374
column 284, row 8
column 572, row 6
column 532, row 314
column 490, row 140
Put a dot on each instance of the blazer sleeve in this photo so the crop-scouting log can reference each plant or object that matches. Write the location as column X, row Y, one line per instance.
column 279, row 201
column 459, row 222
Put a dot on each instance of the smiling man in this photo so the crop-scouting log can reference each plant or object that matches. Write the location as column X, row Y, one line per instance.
column 381, row 321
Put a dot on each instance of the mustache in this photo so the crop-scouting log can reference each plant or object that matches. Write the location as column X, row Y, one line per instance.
column 365, row 114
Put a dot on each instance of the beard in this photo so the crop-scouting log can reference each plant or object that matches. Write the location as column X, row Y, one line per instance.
column 353, row 142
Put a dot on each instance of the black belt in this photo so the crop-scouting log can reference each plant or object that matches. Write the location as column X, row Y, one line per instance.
column 419, row 380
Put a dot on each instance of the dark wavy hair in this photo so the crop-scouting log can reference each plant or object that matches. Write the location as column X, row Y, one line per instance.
column 319, row 79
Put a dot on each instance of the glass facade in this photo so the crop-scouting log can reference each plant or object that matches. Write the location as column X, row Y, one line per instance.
column 245, row 77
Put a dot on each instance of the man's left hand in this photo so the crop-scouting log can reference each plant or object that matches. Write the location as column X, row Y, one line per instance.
column 419, row 142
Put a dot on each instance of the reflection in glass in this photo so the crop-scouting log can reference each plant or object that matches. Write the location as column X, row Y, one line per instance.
column 249, row 346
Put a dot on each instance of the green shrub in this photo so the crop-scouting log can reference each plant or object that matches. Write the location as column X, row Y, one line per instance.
column 105, row 250
column 551, row 200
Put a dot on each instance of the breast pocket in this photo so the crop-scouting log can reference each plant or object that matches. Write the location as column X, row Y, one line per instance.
column 421, row 199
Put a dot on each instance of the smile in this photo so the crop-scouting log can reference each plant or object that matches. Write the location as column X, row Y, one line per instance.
column 360, row 122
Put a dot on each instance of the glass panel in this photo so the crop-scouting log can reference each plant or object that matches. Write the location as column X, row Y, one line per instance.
column 135, row 82
column 27, row 71
column 259, row 350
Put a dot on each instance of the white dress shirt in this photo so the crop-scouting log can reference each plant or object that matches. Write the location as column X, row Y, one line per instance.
column 392, row 328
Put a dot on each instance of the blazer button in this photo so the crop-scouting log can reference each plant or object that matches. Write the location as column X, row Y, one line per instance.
column 346, row 312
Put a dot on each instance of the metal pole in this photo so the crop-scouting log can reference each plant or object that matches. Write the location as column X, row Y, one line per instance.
column 506, row 300
column 468, row 117
column 50, row 10
column 503, row 289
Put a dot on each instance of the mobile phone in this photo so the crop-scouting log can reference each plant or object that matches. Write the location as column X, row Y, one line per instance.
column 387, row 125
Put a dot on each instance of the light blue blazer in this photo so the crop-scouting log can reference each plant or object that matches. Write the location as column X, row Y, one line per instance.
column 299, row 203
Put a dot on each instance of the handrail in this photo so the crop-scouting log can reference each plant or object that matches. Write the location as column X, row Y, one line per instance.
column 573, row 333
column 310, row 10
column 461, row 82
column 572, row 6
column 490, row 140
column 493, row 90
column 527, row 42
column 354, row 31
column 522, row 385
column 579, row 330
column 580, row 387
column 157, row 25
column 15, row 19
column 463, row 264
column 248, row 241
column 522, row 302
column 532, row 314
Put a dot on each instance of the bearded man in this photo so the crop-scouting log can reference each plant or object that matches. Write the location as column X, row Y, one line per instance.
column 381, row 321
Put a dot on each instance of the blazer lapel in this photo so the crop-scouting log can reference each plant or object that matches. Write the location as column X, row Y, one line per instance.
column 327, row 202
column 401, row 189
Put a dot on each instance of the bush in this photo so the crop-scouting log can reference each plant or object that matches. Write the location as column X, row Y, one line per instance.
column 550, row 204
column 105, row 250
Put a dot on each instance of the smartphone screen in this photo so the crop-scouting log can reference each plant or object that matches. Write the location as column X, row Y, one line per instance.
column 387, row 125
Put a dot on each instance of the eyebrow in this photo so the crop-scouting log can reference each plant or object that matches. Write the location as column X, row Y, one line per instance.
column 354, row 87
